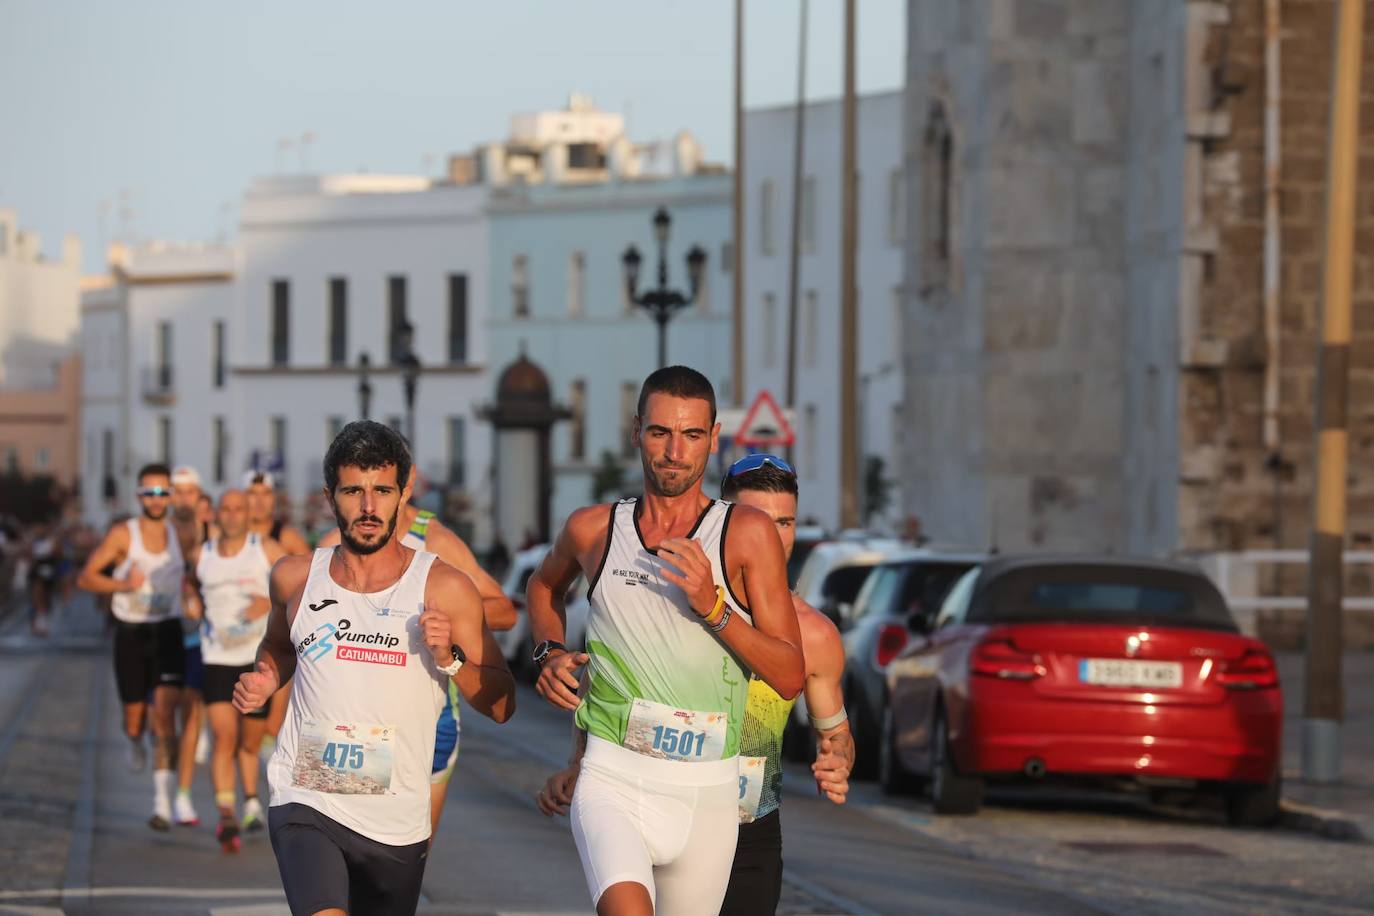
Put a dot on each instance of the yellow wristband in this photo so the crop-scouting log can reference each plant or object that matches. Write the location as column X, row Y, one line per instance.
column 719, row 609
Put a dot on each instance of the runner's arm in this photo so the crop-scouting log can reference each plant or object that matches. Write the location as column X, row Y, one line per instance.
column 771, row 648
column 824, row 652
column 293, row 542
column 192, row 602
column 545, row 597
column 483, row 680
column 111, row 552
column 284, row 586
column 449, row 547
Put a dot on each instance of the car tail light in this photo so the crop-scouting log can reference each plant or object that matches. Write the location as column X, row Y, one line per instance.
column 892, row 639
column 1252, row 671
column 999, row 658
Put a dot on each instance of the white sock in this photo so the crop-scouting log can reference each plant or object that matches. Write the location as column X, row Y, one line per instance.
column 163, row 780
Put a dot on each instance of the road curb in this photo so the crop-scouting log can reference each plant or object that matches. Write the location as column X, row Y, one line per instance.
column 1333, row 825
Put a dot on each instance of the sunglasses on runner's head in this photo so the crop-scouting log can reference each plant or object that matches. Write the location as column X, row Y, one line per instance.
column 754, row 462
column 154, row 491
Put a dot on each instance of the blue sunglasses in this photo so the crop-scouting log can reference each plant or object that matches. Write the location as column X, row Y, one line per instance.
column 754, row 462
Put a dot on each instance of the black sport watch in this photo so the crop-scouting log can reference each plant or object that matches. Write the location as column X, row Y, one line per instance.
column 541, row 651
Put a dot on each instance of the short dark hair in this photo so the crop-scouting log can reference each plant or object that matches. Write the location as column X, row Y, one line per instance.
column 680, row 382
column 366, row 444
column 156, row 469
column 765, row 479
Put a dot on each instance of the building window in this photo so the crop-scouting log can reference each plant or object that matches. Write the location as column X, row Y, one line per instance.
column 218, row 447
column 276, row 439
column 577, row 433
column 808, row 441
column 458, row 318
column 629, row 406
column 577, row 280
column 808, row 215
column 281, row 322
column 766, row 228
column 810, row 308
column 164, row 440
column 727, row 257
column 332, row 427
column 40, row 459
column 457, row 451
column 217, row 346
column 937, row 196
column 338, row 321
column 520, row 286
column 11, row 459
column 164, row 356
column 896, row 207
column 770, row 330
column 396, row 314
column 896, row 327
column 109, row 485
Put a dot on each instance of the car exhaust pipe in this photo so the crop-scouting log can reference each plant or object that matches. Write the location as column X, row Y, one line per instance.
column 1034, row 768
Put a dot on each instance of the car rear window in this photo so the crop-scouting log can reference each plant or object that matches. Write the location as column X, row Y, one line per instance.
column 843, row 584
column 1110, row 594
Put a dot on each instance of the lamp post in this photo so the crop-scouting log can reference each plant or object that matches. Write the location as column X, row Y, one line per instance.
column 661, row 302
column 410, row 374
column 364, row 385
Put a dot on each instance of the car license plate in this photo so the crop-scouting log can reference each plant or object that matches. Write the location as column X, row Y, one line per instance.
column 1121, row 672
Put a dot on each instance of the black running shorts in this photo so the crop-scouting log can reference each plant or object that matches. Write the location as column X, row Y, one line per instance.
column 148, row 655
column 756, row 876
column 325, row 865
column 218, row 686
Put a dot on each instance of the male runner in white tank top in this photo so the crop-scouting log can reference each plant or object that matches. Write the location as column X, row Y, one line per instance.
column 421, row 530
column 368, row 634
column 675, row 581
column 228, row 594
column 148, row 653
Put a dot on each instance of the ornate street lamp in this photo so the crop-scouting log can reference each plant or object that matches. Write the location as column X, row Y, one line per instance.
column 661, row 302
column 364, row 385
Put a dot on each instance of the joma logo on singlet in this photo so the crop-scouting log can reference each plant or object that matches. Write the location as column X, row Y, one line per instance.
column 631, row 576
column 327, row 636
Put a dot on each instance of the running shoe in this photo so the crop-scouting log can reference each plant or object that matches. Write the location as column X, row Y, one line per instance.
column 252, row 816
column 138, row 755
column 162, row 815
column 227, row 834
column 185, row 811
column 158, row 822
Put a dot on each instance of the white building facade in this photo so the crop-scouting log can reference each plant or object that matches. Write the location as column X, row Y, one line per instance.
column 765, row 254
column 39, row 306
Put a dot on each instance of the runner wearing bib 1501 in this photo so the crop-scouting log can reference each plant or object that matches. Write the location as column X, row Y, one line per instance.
column 685, row 592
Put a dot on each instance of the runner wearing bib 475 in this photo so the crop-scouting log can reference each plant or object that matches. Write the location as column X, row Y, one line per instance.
column 368, row 634
column 687, row 595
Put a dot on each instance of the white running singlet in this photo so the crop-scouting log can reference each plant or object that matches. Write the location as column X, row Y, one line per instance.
column 229, row 585
column 159, row 597
column 656, row 799
column 359, row 740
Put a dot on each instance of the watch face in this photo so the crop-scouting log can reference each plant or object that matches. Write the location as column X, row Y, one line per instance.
column 458, row 653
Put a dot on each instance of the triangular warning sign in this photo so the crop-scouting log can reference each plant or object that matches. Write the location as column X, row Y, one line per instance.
column 765, row 424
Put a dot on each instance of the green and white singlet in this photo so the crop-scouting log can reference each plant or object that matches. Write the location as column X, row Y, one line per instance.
column 661, row 683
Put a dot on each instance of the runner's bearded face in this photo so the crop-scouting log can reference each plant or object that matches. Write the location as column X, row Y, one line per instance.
column 261, row 501
column 185, row 498
column 781, row 508
column 154, row 496
column 233, row 514
column 366, row 504
column 676, row 439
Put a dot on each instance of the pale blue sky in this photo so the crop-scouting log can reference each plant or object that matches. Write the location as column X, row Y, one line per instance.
column 174, row 105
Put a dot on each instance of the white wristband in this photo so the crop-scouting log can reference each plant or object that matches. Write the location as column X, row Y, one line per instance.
column 453, row 667
column 821, row 725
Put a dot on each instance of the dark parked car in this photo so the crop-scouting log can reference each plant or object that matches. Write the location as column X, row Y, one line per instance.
column 1085, row 667
column 877, row 629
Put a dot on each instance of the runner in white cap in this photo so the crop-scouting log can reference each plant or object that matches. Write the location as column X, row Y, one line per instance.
column 186, row 494
column 688, row 594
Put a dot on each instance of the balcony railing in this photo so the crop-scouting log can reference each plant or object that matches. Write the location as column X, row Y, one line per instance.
column 157, row 385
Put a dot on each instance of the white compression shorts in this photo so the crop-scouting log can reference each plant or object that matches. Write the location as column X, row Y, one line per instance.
column 668, row 825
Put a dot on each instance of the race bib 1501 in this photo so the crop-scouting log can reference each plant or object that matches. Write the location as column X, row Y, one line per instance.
column 344, row 758
column 661, row 731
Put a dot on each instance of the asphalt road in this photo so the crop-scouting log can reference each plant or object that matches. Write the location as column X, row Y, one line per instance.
column 73, row 837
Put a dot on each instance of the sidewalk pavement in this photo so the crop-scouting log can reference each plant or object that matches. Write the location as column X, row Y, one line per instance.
column 1344, row 810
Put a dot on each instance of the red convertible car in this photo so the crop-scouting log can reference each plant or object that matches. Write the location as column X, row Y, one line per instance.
column 1084, row 667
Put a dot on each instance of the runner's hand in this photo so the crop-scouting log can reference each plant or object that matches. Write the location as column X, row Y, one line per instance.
column 557, row 793
column 831, row 768
column 558, row 679
column 255, row 688
column 438, row 632
column 697, row 579
column 134, row 580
